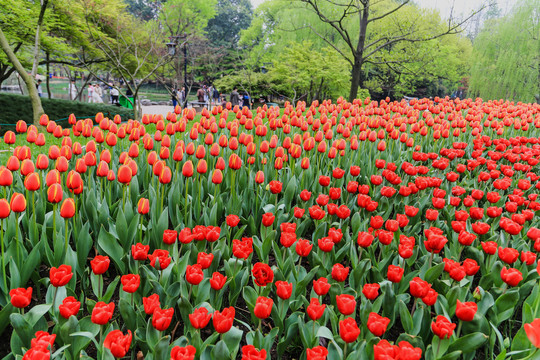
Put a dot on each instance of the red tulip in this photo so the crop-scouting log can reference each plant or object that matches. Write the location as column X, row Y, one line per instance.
column 284, row 289
column 183, row 353
column 194, row 274
column 465, row 311
column 349, row 330
column 346, row 304
column 223, row 320
column 442, row 327
column 249, row 352
column 20, row 298
column 377, row 324
column 118, row 343
column 315, row 310
column 533, row 332
column 60, row 276
column 69, row 307
column 102, row 313
column 217, row 281
column 130, row 283
column 161, row 318
column 262, row 274
column 151, row 303
column 317, row 353
column 200, row 318
column 263, row 307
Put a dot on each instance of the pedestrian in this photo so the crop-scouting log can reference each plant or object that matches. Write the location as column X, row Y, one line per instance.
column 114, row 95
column 247, row 100
column 90, row 93
column 174, row 97
column 215, row 96
column 72, row 90
column 181, row 94
column 98, row 93
column 39, row 89
column 200, row 95
column 235, row 97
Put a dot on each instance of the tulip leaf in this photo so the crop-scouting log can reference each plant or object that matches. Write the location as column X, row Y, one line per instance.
column 161, row 350
column 452, row 356
column 232, row 339
column 110, row 290
column 87, row 335
column 334, row 351
column 221, row 351
column 36, row 313
column 128, row 314
column 325, row 333
column 433, row 273
column 291, row 332
column 289, row 192
column 303, row 283
column 405, row 316
column 109, row 246
column 15, row 279
column 23, row 329
column 504, row 306
column 468, row 343
column 122, row 230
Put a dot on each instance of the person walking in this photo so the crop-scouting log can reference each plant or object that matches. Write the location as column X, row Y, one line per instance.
column 182, row 96
column 90, row 93
column 200, row 95
column 114, row 96
column 235, row 97
column 174, row 97
column 98, row 93
column 247, row 101
column 215, row 96
column 72, row 90
column 39, row 89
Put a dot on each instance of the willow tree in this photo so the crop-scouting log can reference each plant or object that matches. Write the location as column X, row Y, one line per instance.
column 506, row 56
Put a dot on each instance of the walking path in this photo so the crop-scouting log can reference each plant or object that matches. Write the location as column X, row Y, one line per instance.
column 157, row 109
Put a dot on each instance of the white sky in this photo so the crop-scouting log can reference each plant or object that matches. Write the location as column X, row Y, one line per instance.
column 461, row 7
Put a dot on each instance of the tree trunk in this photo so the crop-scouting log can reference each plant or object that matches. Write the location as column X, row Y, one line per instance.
column 44, row 4
column 49, row 95
column 356, row 78
column 37, row 109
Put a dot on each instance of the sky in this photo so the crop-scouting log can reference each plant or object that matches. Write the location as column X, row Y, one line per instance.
column 461, row 7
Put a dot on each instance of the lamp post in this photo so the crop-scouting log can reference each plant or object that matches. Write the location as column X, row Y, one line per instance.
column 172, row 51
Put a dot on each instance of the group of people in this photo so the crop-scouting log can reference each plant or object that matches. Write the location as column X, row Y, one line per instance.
column 96, row 92
column 241, row 100
column 206, row 96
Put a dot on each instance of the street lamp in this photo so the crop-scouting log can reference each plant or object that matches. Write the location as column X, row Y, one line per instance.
column 171, row 46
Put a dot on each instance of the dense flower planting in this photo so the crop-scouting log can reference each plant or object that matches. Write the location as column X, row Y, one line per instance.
column 359, row 230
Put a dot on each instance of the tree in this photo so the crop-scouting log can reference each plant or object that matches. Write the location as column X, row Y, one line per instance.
column 31, row 28
column 232, row 16
column 360, row 31
column 134, row 49
column 506, row 56
column 37, row 109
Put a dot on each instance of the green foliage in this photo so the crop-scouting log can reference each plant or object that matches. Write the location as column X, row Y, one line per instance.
column 401, row 68
column 18, row 107
column 232, row 16
column 506, row 56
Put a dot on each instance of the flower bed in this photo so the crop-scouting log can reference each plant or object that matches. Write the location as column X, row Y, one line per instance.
column 356, row 230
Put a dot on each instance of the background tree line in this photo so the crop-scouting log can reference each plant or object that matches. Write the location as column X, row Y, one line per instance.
column 292, row 49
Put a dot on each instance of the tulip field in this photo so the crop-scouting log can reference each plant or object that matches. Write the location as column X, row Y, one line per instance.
column 331, row 230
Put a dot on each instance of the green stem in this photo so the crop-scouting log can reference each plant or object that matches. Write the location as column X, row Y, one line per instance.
column 3, row 256
column 459, row 329
column 66, row 245
column 186, row 203
column 18, row 246
column 140, row 227
column 100, row 286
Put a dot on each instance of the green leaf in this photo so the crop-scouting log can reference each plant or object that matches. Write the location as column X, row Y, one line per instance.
column 468, row 343
column 405, row 316
column 232, row 338
column 110, row 247
column 221, row 351
column 325, row 333
column 433, row 273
